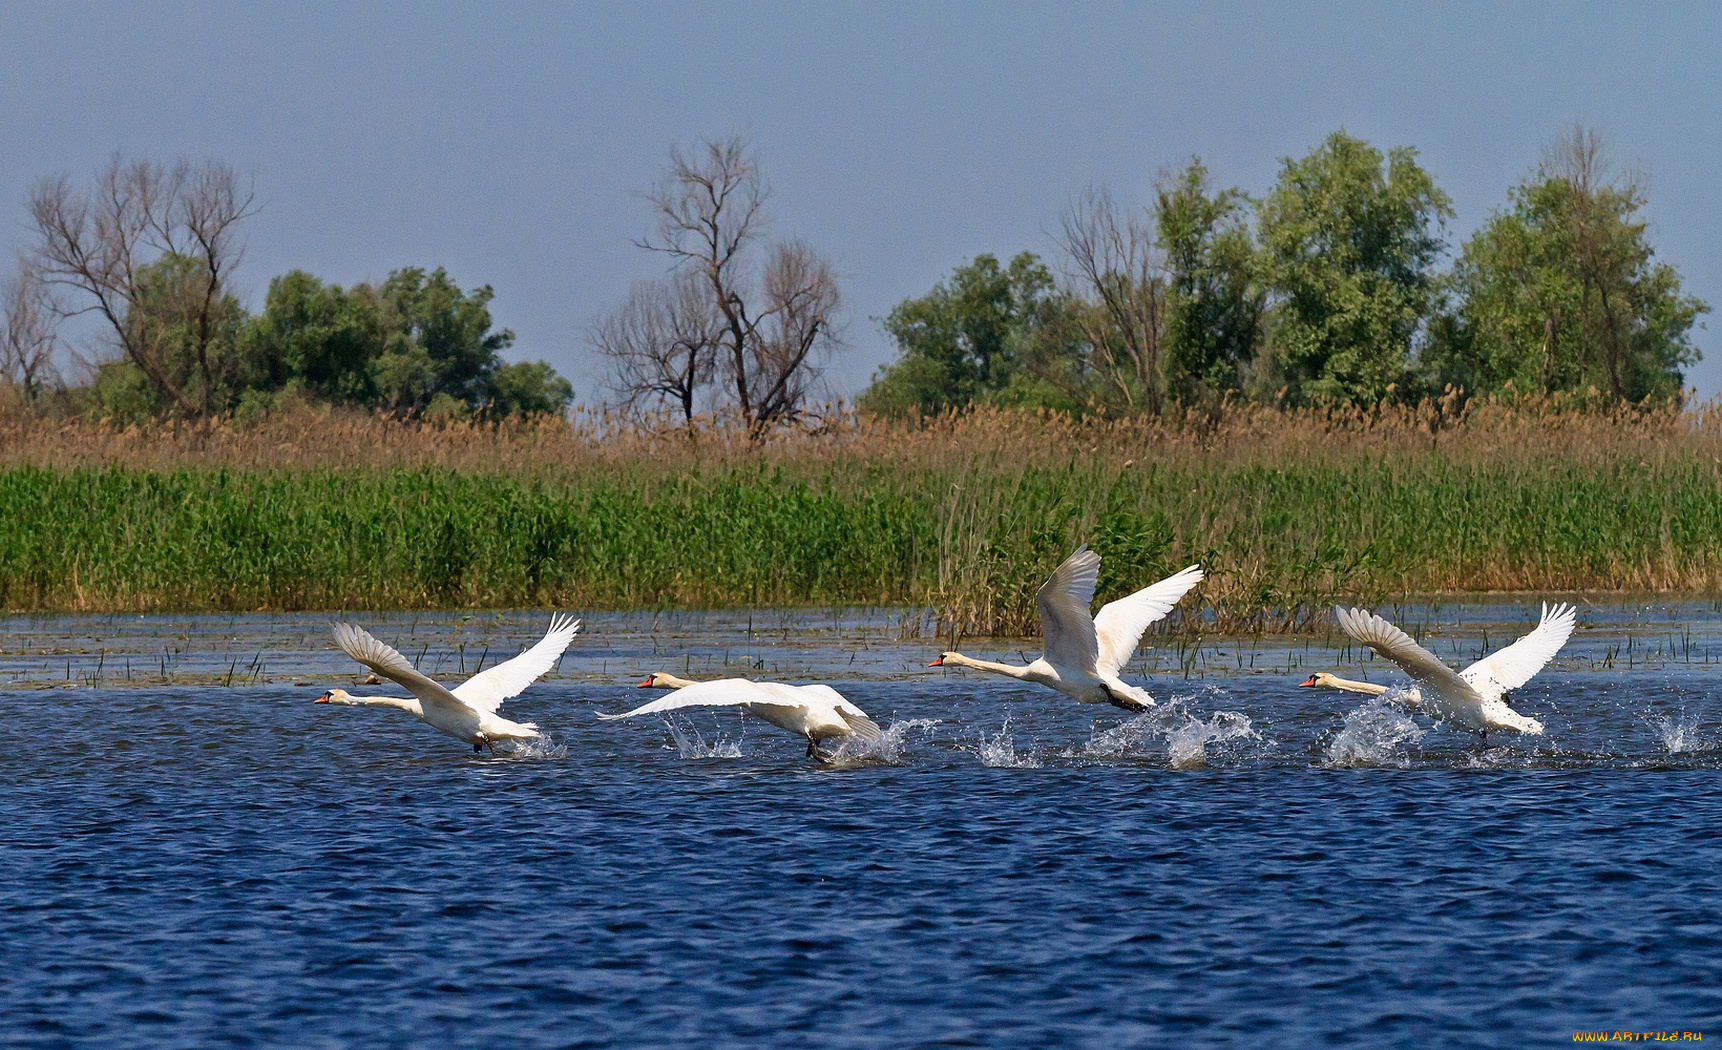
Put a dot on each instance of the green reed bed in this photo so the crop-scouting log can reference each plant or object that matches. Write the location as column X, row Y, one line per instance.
column 969, row 536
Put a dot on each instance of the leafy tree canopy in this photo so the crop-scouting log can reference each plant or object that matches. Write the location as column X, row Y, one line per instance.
column 988, row 333
column 1350, row 244
column 1560, row 291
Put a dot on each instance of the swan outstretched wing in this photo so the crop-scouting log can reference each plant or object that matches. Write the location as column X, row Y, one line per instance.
column 722, row 692
column 1066, row 625
column 1517, row 663
column 487, row 690
column 1421, row 664
column 383, row 659
column 1118, row 626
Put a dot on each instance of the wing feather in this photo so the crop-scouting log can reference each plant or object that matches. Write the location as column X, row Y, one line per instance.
column 357, row 643
column 1515, row 665
column 487, row 690
column 1118, row 626
column 1422, row 665
column 1066, row 625
column 722, row 692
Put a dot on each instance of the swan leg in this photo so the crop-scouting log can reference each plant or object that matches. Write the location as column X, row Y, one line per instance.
column 812, row 747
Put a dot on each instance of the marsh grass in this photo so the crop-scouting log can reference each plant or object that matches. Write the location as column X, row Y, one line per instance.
column 963, row 515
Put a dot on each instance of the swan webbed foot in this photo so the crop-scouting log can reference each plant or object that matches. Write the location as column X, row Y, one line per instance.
column 478, row 746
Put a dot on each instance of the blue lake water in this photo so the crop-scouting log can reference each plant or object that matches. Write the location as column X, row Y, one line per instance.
column 195, row 855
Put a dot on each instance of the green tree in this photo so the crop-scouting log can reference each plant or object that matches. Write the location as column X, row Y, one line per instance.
column 986, row 333
column 1560, row 290
column 415, row 344
column 1214, row 307
column 527, row 388
column 190, row 329
column 1350, row 245
column 320, row 338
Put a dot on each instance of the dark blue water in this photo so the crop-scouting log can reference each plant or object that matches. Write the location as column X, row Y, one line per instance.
column 1254, row 864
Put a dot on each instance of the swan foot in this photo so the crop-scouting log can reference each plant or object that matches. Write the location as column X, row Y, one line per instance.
column 477, row 747
column 1133, row 706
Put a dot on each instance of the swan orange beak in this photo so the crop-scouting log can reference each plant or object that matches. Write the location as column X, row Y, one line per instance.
column 646, row 683
column 321, row 699
column 940, row 662
column 1307, row 682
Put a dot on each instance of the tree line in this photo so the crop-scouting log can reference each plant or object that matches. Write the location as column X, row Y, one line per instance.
column 1327, row 291
column 150, row 251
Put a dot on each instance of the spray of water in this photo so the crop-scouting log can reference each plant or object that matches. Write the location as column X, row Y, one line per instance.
column 691, row 744
column 889, row 749
column 1374, row 735
column 1187, row 746
column 1187, row 736
column 999, row 752
column 1680, row 734
column 544, row 746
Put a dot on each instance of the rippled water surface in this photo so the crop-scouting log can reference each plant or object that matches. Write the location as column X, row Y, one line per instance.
column 195, row 855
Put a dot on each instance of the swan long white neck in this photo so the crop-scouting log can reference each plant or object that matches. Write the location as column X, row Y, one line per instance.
column 1350, row 686
column 349, row 700
column 1011, row 670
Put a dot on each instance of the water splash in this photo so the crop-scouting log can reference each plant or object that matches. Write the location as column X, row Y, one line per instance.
column 892, row 745
column 1680, row 734
column 691, row 744
column 1187, row 737
column 1136, row 738
column 1187, row 746
column 546, row 745
column 999, row 752
column 1374, row 735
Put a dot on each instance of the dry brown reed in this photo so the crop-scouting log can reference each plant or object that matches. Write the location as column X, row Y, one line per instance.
column 1289, row 510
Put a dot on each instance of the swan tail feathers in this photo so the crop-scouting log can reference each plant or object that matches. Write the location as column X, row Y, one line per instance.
column 862, row 726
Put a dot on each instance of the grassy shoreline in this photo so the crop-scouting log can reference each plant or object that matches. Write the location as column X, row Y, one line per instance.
column 1288, row 512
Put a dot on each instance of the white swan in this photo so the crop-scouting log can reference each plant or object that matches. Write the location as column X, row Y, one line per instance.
column 817, row 712
column 1477, row 696
column 1082, row 653
column 468, row 712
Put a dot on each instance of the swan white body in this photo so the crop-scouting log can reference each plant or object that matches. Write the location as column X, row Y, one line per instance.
column 1083, row 653
column 467, row 712
column 1477, row 696
column 817, row 712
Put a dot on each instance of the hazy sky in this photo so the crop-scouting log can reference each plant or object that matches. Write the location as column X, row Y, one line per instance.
column 507, row 142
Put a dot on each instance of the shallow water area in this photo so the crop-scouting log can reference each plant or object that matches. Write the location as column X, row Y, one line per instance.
column 198, row 855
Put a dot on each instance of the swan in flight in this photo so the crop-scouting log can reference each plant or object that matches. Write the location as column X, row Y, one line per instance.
column 817, row 712
column 1084, row 653
column 1475, row 697
column 468, row 712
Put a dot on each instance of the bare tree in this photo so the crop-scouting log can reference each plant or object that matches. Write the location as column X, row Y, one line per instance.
column 97, row 243
column 800, row 298
column 27, row 334
column 1112, row 255
column 768, row 324
column 660, row 345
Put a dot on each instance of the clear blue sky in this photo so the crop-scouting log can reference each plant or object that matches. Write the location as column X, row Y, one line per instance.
column 507, row 142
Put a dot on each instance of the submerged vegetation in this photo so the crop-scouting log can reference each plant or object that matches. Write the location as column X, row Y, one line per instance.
column 963, row 514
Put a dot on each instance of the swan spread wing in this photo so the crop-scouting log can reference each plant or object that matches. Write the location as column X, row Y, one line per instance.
column 1119, row 625
column 1421, row 664
column 487, row 690
column 383, row 659
column 1515, row 665
column 1066, row 625
column 722, row 692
